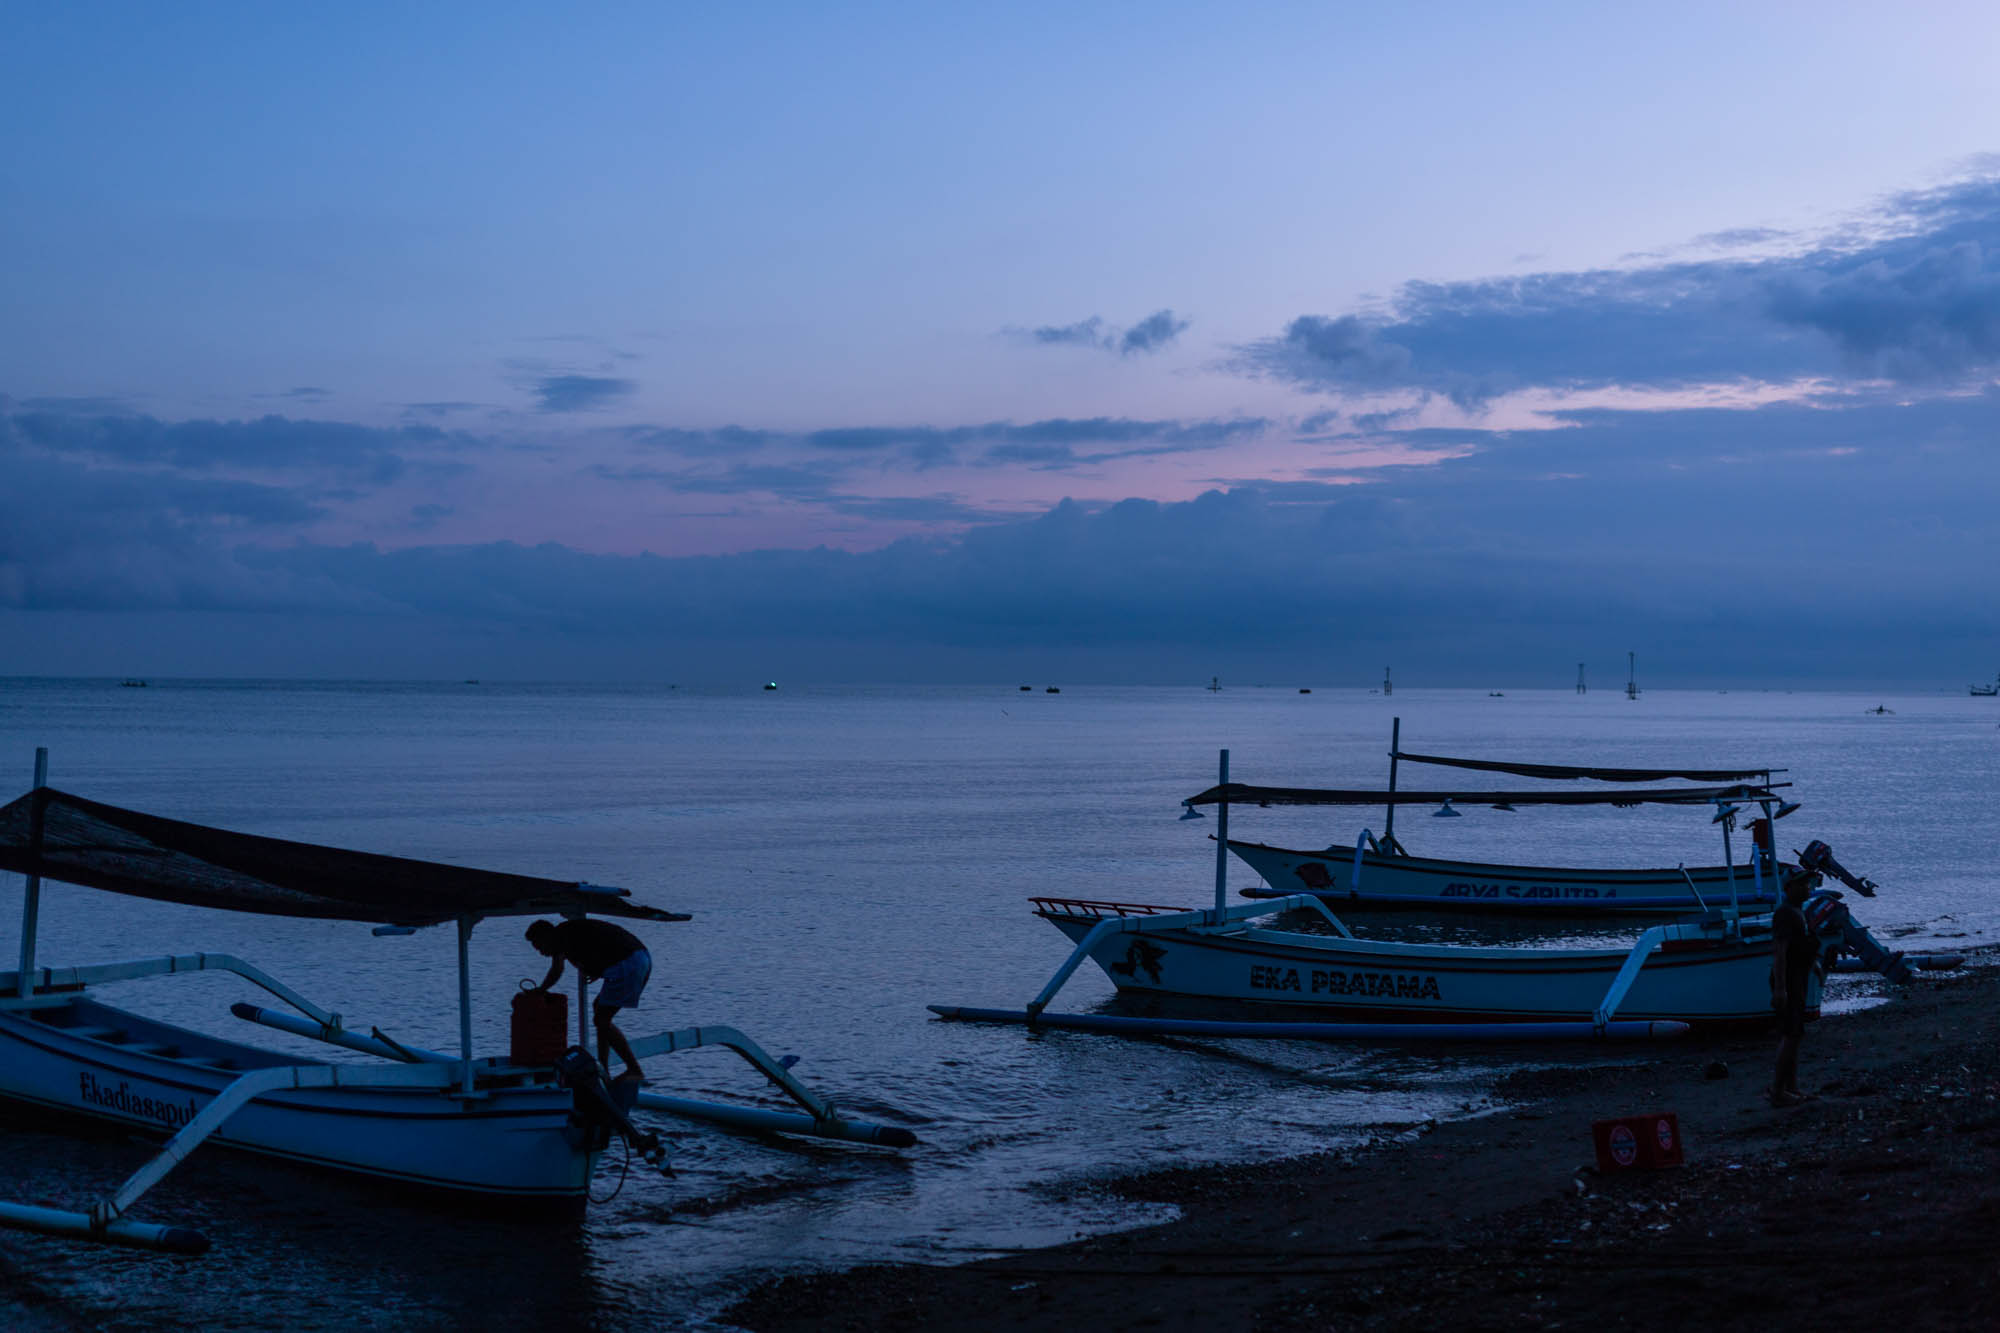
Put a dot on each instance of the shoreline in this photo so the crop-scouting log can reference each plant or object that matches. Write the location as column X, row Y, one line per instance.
column 1880, row 1197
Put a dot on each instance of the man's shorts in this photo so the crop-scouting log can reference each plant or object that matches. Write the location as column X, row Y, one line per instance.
column 624, row 981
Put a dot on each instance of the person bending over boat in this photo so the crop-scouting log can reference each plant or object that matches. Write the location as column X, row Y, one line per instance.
column 1794, row 951
column 602, row 952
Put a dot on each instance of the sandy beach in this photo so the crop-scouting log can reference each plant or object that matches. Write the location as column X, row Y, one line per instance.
column 1876, row 1202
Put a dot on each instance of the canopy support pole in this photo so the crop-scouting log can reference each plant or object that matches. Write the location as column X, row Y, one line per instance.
column 465, row 924
column 1725, row 812
column 1395, row 748
column 31, row 901
column 1759, row 855
column 1222, row 845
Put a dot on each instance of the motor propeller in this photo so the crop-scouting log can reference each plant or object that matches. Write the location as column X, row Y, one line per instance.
column 599, row 1102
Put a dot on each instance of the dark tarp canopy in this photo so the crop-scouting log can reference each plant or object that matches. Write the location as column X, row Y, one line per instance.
column 103, row 847
column 1237, row 793
column 1563, row 772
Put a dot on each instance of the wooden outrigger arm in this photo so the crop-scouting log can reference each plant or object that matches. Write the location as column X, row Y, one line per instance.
column 49, row 984
column 819, row 1120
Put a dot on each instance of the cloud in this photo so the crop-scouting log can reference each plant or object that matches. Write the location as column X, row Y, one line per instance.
column 579, row 393
column 78, row 536
column 723, row 441
column 1910, row 315
column 114, row 407
column 267, row 444
column 1910, row 294
column 1151, row 334
column 1083, row 333
column 1736, row 238
column 415, row 411
column 918, row 509
column 1055, row 441
column 809, row 482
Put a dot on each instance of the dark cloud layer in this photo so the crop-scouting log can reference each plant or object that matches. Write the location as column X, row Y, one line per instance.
column 1057, row 442
column 1787, row 543
column 361, row 453
column 1918, row 302
column 579, row 393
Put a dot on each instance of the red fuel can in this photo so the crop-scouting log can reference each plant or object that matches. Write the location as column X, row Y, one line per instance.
column 540, row 1031
column 1638, row 1142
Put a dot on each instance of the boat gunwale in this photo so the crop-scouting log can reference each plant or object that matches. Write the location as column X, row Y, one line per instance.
column 135, row 1062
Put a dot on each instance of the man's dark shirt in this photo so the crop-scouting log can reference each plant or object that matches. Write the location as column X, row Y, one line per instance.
column 1788, row 932
column 595, row 947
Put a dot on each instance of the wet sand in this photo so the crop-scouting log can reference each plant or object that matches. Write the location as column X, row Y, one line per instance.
column 1878, row 1202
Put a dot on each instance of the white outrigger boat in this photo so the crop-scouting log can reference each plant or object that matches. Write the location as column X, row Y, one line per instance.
column 478, row 1126
column 1711, row 970
column 1381, row 873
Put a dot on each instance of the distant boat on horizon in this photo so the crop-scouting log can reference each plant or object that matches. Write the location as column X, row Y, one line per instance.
column 133, row 683
column 1052, row 690
column 1987, row 691
column 770, row 684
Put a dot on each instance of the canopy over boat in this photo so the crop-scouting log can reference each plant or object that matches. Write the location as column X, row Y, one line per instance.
column 1564, row 772
column 59, row 836
column 1238, row 793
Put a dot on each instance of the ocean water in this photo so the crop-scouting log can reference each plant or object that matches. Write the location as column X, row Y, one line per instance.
column 851, row 855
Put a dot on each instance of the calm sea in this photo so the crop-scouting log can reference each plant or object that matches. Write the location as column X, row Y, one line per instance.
column 849, row 856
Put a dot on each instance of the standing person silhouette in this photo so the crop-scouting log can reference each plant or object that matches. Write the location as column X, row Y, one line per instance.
column 1794, row 950
column 601, row 952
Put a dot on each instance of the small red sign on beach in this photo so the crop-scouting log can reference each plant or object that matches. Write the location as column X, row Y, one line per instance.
column 1642, row 1142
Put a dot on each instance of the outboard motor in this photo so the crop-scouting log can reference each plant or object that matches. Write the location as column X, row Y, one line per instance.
column 1827, row 915
column 601, row 1107
column 1818, row 858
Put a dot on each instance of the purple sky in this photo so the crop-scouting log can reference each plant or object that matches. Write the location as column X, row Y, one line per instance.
column 895, row 344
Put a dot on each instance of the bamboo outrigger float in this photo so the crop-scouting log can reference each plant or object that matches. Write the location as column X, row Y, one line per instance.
column 458, row 1123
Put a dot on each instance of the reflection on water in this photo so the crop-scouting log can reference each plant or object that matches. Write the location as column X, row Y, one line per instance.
column 850, row 856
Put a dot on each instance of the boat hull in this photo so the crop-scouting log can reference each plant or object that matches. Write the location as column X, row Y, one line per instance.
column 511, row 1139
column 1408, row 881
column 1700, row 981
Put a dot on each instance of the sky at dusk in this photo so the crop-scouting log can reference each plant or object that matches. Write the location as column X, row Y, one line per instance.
column 1126, row 343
